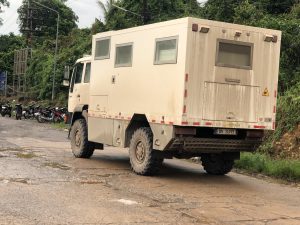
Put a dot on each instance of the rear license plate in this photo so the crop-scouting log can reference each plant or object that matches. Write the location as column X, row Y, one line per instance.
column 225, row 132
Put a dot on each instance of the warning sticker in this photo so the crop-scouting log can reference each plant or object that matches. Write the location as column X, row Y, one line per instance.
column 266, row 92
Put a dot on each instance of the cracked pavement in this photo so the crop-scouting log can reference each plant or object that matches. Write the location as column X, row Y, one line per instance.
column 42, row 183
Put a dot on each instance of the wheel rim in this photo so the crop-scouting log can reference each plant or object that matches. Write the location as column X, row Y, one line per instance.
column 140, row 152
column 77, row 138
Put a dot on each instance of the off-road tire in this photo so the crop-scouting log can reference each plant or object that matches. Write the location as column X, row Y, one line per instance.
column 81, row 147
column 148, row 161
column 215, row 164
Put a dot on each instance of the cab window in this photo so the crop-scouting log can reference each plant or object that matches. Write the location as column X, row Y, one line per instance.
column 78, row 73
column 77, row 76
column 87, row 75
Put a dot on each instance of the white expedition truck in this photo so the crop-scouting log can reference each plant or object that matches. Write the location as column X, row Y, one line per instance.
column 182, row 88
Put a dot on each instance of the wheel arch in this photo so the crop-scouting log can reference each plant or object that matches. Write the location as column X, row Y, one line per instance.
column 80, row 111
column 137, row 121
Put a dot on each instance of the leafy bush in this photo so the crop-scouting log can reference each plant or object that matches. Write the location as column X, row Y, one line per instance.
column 259, row 163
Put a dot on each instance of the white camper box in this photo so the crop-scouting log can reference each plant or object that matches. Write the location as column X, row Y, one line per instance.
column 200, row 86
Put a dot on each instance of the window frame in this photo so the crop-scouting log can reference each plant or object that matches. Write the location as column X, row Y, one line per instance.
column 73, row 78
column 124, row 64
column 109, row 48
column 82, row 73
column 157, row 62
column 85, row 67
column 241, row 43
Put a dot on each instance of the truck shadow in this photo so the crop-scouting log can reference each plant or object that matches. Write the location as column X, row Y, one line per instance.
column 190, row 172
column 172, row 170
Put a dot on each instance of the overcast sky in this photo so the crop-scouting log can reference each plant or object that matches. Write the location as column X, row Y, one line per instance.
column 87, row 11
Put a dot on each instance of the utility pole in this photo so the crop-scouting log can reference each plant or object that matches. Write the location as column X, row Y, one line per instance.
column 5, row 88
column 28, row 27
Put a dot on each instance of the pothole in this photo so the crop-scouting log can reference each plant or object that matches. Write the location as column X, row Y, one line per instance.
column 56, row 165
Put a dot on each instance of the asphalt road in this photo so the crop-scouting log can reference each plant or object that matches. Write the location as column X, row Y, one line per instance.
column 42, row 183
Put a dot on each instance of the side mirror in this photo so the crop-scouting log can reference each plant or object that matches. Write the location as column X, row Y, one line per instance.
column 67, row 73
column 66, row 81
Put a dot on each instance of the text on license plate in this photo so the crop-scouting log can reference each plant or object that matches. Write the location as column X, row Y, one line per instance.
column 225, row 132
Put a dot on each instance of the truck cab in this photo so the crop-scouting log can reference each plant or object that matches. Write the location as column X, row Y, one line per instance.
column 80, row 84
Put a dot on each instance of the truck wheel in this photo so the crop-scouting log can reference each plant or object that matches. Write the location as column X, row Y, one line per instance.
column 215, row 164
column 144, row 159
column 81, row 147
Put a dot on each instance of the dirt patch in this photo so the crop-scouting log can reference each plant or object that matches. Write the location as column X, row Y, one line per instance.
column 56, row 165
column 289, row 145
column 26, row 155
column 11, row 149
column 15, row 180
column 2, row 156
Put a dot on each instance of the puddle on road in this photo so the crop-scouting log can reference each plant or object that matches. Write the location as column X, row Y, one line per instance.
column 126, row 202
column 56, row 165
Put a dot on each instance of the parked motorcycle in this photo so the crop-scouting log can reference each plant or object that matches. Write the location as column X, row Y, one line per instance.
column 28, row 113
column 54, row 115
column 6, row 110
column 19, row 110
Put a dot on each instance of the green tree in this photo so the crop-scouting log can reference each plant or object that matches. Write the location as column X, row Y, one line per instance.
column 276, row 6
column 107, row 6
column 39, row 75
column 247, row 14
column 44, row 21
column 149, row 11
column 9, row 43
column 221, row 10
column 3, row 3
column 98, row 26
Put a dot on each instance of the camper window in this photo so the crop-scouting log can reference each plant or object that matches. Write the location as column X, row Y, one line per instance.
column 102, row 48
column 124, row 55
column 166, row 50
column 234, row 54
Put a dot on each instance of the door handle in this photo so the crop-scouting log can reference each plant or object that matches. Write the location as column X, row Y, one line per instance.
column 78, row 96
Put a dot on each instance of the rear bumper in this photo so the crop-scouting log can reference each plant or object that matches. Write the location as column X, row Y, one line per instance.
column 210, row 145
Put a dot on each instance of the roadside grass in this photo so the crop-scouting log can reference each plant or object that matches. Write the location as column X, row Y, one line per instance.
column 259, row 163
column 61, row 125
